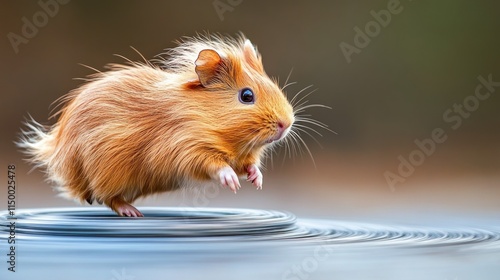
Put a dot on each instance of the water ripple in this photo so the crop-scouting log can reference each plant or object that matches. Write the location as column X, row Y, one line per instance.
column 236, row 225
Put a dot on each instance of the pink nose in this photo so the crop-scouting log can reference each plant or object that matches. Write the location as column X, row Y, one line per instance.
column 282, row 127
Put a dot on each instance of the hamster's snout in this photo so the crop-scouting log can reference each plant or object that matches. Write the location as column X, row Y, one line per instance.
column 282, row 129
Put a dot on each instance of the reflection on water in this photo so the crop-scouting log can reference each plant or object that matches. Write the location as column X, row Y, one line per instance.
column 210, row 243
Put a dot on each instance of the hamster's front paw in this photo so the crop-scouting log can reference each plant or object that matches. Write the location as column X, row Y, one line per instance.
column 229, row 178
column 255, row 176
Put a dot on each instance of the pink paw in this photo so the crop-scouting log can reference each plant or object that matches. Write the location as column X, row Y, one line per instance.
column 255, row 176
column 228, row 177
column 128, row 210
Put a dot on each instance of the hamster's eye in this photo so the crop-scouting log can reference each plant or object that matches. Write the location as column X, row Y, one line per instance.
column 247, row 96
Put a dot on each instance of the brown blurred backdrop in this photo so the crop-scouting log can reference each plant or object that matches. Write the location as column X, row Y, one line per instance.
column 399, row 82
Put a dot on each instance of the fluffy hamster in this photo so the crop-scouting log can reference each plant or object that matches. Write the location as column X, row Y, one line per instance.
column 207, row 112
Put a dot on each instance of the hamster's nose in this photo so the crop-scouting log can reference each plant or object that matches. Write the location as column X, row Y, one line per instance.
column 282, row 128
column 280, row 125
column 284, row 124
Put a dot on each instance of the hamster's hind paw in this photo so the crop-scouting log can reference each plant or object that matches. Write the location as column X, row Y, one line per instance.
column 129, row 211
column 255, row 176
column 228, row 177
column 124, row 209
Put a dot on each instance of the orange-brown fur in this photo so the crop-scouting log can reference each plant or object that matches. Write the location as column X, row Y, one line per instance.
column 141, row 129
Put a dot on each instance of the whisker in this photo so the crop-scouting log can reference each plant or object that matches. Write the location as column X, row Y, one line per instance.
column 285, row 151
column 307, row 127
column 289, row 147
column 312, row 121
column 296, row 149
column 302, row 108
column 287, row 85
column 315, row 122
column 288, row 77
column 292, row 102
column 310, row 135
column 305, row 146
column 284, row 158
column 248, row 146
column 299, row 143
column 272, row 156
column 286, row 81
column 298, row 104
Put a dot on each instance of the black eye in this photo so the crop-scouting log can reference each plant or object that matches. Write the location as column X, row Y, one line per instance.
column 247, row 96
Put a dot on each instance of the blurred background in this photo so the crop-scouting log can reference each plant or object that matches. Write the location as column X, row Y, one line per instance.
column 388, row 80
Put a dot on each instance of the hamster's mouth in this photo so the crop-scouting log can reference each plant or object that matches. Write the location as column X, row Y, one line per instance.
column 269, row 141
column 281, row 131
column 277, row 137
column 272, row 139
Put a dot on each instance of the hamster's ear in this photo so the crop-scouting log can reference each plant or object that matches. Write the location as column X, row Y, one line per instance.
column 252, row 57
column 207, row 64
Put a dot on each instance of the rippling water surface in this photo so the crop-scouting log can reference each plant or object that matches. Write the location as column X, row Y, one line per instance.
column 211, row 243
